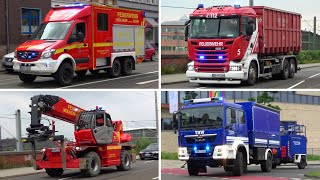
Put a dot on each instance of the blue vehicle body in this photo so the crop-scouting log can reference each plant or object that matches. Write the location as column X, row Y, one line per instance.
column 242, row 129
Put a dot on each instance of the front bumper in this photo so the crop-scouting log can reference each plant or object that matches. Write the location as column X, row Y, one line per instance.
column 231, row 77
column 149, row 155
column 39, row 67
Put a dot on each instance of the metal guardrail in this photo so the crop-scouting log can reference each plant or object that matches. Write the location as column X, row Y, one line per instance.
column 313, row 151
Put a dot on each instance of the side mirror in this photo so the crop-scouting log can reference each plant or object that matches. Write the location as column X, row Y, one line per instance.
column 186, row 33
column 249, row 27
column 80, row 37
column 233, row 114
column 175, row 122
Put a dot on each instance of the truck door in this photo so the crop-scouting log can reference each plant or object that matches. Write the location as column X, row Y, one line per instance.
column 102, row 39
column 235, row 124
column 241, row 121
column 103, row 129
column 78, row 43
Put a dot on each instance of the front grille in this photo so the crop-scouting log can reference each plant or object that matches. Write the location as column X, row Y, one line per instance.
column 192, row 140
column 28, row 55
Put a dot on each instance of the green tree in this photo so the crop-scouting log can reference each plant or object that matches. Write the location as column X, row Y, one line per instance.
column 190, row 95
column 266, row 99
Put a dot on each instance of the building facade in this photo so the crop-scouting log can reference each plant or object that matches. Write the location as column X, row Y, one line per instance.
column 303, row 107
column 19, row 19
column 172, row 38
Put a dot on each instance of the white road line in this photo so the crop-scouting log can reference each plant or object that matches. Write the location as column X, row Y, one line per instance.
column 156, row 177
column 295, row 178
column 148, row 161
column 314, row 76
column 70, row 177
column 146, row 82
column 296, row 84
column 106, row 80
column 201, row 88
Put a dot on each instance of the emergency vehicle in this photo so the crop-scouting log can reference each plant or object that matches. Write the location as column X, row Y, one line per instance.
column 79, row 37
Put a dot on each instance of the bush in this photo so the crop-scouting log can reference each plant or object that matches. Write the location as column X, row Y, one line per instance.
column 169, row 156
column 141, row 144
column 309, row 56
column 313, row 157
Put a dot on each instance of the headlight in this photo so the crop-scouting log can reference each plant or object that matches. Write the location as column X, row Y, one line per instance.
column 235, row 68
column 43, row 150
column 191, row 66
column 154, row 152
column 47, row 53
column 15, row 54
column 140, row 152
column 182, row 150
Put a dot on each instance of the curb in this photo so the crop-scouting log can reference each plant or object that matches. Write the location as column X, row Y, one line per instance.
column 309, row 66
column 313, row 177
column 19, row 175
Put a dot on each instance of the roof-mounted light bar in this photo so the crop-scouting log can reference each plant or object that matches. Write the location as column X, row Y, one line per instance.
column 204, row 100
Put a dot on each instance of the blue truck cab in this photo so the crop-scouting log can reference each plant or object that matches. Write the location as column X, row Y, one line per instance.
column 293, row 145
column 215, row 133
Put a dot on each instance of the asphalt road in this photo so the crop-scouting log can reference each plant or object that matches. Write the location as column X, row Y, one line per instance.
column 141, row 170
column 254, row 173
column 146, row 76
column 308, row 78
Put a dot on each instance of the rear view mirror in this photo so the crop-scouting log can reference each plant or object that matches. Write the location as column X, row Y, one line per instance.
column 186, row 33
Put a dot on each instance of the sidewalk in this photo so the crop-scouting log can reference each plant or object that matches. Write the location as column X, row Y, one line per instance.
column 6, row 173
column 181, row 78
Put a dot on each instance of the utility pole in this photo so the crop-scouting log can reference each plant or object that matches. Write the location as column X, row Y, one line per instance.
column 315, row 34
column 0, row 133
column 250, row 2
column 18, row 131
column 157, row 119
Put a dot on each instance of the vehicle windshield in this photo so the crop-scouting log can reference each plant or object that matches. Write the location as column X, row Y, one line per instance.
column 152, row 146
column 51, row 31
column 84, row 120
column 202, row 28
column 204, row 118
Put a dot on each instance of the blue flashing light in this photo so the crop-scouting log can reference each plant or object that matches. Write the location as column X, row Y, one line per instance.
column 33, row 54
column 207, row 148
column 195, row 148
column 201, row 57
column 220, row 98
column 237, row 5
column 74, row 5
column 220, row 57
column 200, row 6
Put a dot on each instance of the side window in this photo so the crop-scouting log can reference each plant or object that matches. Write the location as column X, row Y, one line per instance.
column 244, row 22
column 99, row 120
column 241, row 117
column 102, row 22
column 231, row 116
column 108, row 120
column 78, row 31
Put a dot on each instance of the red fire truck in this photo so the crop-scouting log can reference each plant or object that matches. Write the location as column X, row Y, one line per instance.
column 100, row 141
column 79, row 37
column 234, row 44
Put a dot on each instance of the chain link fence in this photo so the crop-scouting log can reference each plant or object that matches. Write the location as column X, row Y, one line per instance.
column 313, row 151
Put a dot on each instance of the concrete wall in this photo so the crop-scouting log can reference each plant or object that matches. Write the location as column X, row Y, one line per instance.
column 307, row 115
column 17, row 157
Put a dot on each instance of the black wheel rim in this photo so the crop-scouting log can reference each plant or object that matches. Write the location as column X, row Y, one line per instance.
column 116, row 68
column 286, row 69
column 293, row 69
column 126, row 161
column 94, row 165
column 66, row 74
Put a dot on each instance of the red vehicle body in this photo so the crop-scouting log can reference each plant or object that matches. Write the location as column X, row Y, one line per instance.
column 76, row 38
column 150, row 52
column 230, row 45
column 99, row 140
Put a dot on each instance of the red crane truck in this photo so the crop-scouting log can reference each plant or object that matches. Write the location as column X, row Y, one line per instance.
column 233, row 44
column 99, row 140
column 79, row 37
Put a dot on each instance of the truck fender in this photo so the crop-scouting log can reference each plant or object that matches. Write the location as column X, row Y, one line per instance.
column 266, row 153
column 251, row 57
column 288, row 57
column 236, row 145
column 62, row 58
column 297, row 157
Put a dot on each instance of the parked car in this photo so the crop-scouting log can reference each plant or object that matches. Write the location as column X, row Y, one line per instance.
column 7, row 63
column 150, row 52
column 151, row 152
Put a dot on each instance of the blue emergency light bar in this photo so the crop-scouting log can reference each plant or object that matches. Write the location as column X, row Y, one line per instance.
column 203, row 100
column 200, row 6
column 74, row 5
column 237, row 5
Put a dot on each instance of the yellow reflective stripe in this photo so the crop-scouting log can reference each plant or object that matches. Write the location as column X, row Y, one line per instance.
column 102, row 44
column 113, row 44
column 113, row 147
column 74, row 46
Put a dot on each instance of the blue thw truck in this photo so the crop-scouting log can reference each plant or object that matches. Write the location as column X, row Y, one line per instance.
column 215, row 133
column 293, row 145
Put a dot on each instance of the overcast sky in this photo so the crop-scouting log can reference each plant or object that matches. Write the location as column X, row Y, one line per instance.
column 126, row 106
column 307, row 8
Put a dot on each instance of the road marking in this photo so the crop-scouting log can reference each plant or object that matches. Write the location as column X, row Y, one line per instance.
column 146, row 82
column 314, row 76
column 201, row 88
column 297, row 84
column 156, row 177
column 106, row 80
column 148, row 161
column 295, row 178
column 70, row 177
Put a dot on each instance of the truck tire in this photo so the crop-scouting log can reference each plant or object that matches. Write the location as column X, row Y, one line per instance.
column 292, row 68
column 238, row 164
column 27, row 78
column 93, row 165
column 126, row 67
column 125, row 161
column 252, row 74
column 228, row 168
column 286, row 70
column 193, row 170
column 54, row 172
column 303, row 162
column 64, row 75
column 153, row 57
column 81, row 73
column 267, row 164
column 274, row 166
column 116, row 69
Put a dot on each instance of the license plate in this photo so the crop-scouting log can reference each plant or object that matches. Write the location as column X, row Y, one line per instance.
column 201, row 151
column 147, row 155
column 25, row 68
column 8, row 63
column 55, row 150
column 218, row 75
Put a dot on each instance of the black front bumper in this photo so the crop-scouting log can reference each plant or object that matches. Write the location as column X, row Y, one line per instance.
column 149, row 155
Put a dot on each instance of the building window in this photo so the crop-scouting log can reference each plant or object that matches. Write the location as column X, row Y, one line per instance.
column 30, row 20
column 166, row 124
column 149, row 34
column 102, row 22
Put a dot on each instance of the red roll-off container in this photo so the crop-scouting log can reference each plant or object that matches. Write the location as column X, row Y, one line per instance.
column 279, row 31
